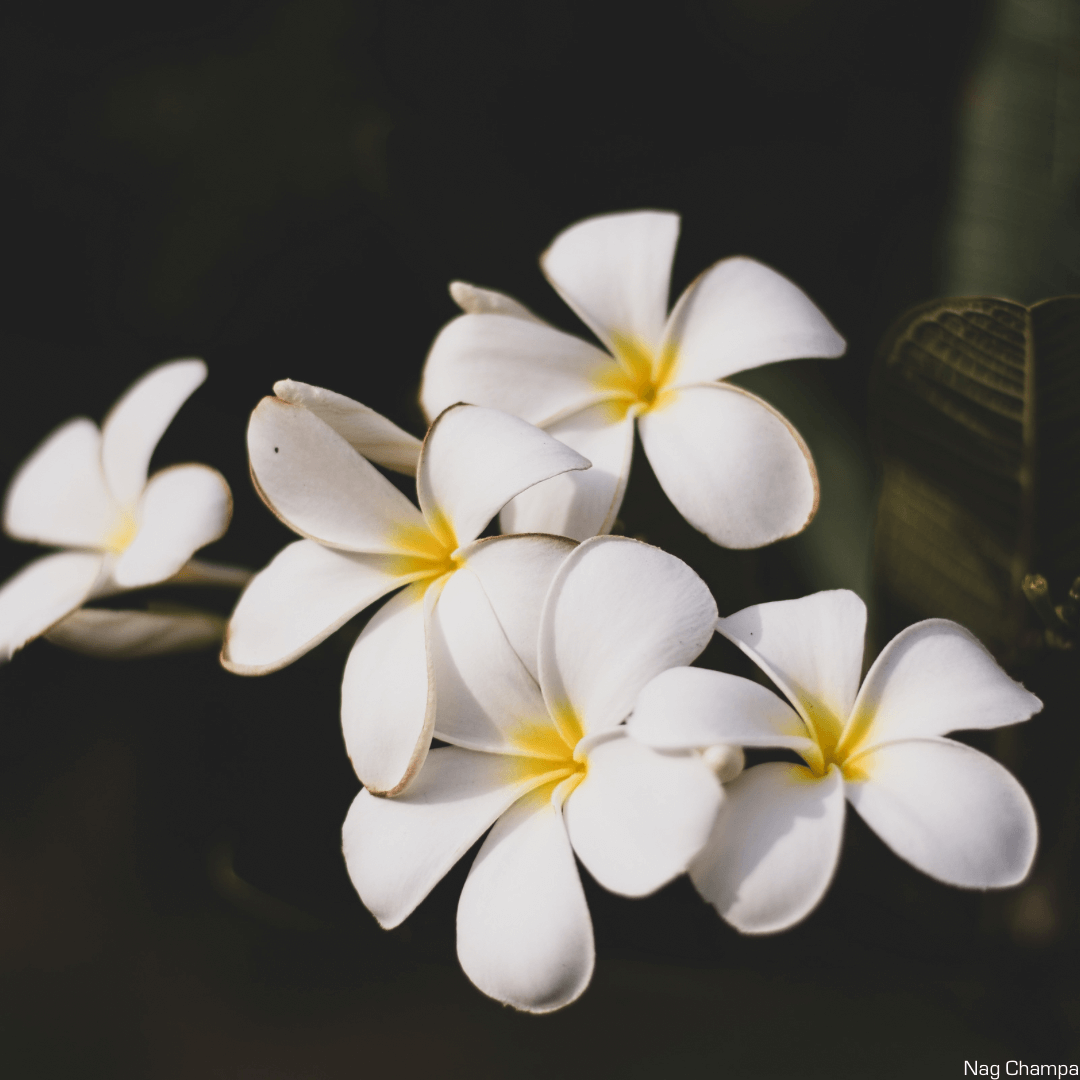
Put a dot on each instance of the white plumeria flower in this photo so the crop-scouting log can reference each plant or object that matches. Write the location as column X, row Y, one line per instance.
column 544, row 755
column 731, row 464
column 947, row 809
column 87, row 491
column 364, row 539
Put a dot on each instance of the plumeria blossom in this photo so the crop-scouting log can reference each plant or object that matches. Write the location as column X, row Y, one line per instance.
column 86, row 491
column 364, row 539
column 947, row 809
column 543, row 755
column 731, row 464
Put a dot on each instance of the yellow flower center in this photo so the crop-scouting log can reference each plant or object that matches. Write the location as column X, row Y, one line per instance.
column 639, row 378
column 547, row 750
column 826, row 729
column 122, row 533
column 426, row 553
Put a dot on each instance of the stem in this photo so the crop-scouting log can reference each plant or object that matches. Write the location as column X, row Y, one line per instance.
column 198, row 572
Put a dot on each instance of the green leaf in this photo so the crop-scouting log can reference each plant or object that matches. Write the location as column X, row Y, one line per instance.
column 978, row 402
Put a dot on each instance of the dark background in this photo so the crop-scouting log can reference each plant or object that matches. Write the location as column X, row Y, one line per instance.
column 286, row 189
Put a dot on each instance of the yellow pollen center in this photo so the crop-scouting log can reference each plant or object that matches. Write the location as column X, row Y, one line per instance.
column 122, row 533
column 545, row 751
column 639, row 378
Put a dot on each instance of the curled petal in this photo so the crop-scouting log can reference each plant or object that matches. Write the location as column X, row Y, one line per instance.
column 524, row 935
column 618, row 613
column 615, row 271
column 397, row 850
column 475, row 460
column 639, row 817
column 183, row 509
column 129, row 635
column 579, row 504
column 366, row 431
column 740, row 314
column 388, row 693
column 503, row 361
column 774, row 848
column 476, row 301
column 320, row 486
column 304, row 595
column 731, row 464
column 42, row 593
column 950, row 811
column 58, row 495
column 139, row 419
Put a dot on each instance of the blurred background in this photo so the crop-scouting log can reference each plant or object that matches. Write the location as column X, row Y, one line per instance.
column 285, row 189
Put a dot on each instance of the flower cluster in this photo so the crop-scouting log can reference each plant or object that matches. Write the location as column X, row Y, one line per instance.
column 553, row 659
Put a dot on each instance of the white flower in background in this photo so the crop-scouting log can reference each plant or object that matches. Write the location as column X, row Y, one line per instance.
column 544, row 756
column 947, row 809
column 363, row 539
column 732, row 465
column 87, row 491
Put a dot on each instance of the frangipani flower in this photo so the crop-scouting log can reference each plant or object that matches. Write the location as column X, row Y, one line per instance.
column 543, row 754
column 86, row 491
column 364, row 539
column 947, row 809
column 731, row 464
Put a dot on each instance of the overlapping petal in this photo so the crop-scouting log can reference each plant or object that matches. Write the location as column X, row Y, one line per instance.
column 129, row 635
column 475, row 460
column 397, row 850
column 182, row 509
column 586, row 503
column 685, row 708
column 812, row 648
column 58, row 495
column 476, row 301
column 366, row 431
column 950, row 811
column 320, row 486
column 524, row 935
column 42, row 593
column 306, row 593
column 388, row 694
column 137, row 421
column 516, row 573
column 503, row 361
column 933, row 678
column 731, row 464
column 740, row 314
column 619, row 612
column 774, row 848
column 615, row 271
column 639, row 817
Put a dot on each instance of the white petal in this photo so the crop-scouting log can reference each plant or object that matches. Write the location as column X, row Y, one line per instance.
column 950, row 811
column 812, row 648
column 42, row 593
column 740, row 314
column 475, row 460
column 685, row 708
column 618, row 613
column 128, row 635
column 139, row 419
column 516, row 573
column 58, row 495
column 483, row 690
column 505, row 362
column 731, row 464
column 615, row 272
column 579, row 504
column 476, row 301
column 366, row 431
column 319, row 485
column 304, row 595
column 639, row 817
column 182, row 509
column 932, row 678
column 524, row 935
column 397, row 850
column 388, row 695
column 774, row 849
